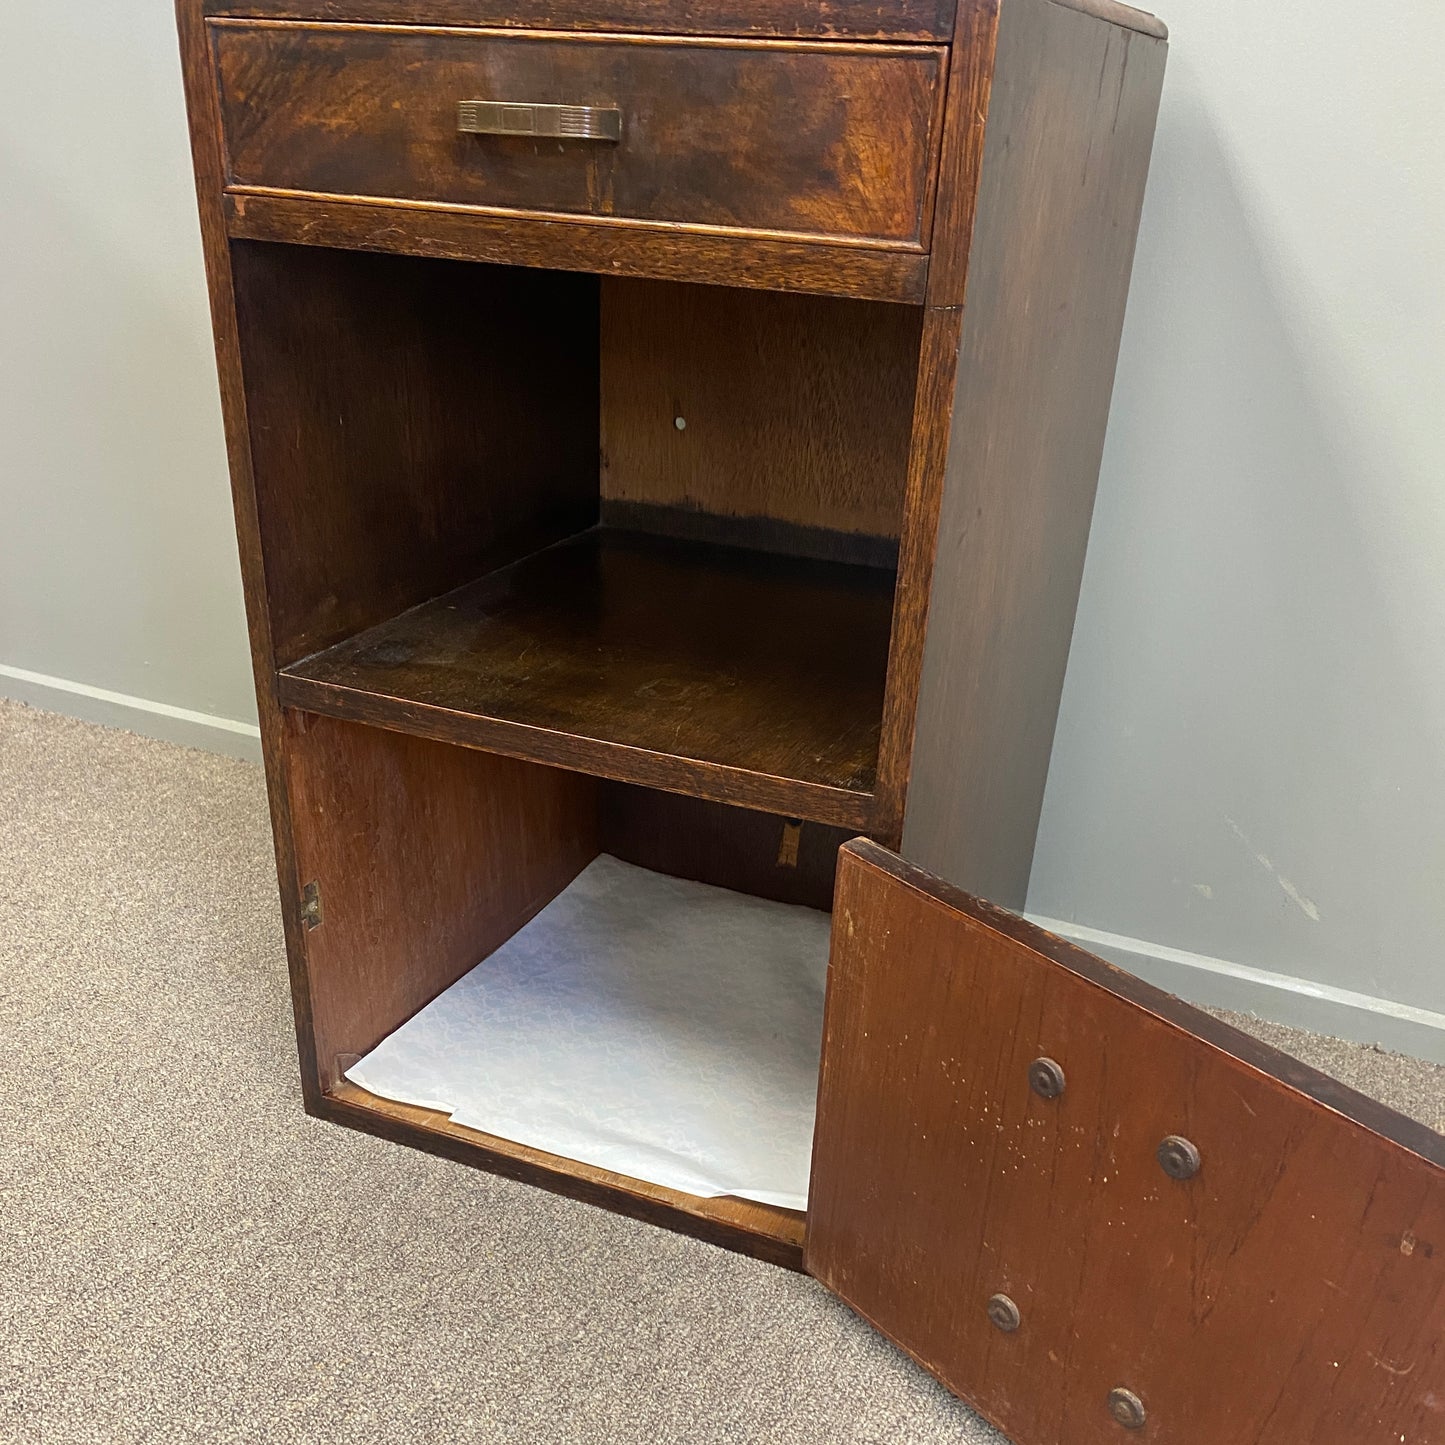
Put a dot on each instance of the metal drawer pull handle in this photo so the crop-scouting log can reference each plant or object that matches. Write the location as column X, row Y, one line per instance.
column 570, row 122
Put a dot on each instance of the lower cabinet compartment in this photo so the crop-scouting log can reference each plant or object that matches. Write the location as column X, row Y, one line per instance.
column 610, row 991
column 652, row 1026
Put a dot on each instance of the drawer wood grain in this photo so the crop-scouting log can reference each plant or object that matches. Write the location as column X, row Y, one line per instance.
column 771, row 138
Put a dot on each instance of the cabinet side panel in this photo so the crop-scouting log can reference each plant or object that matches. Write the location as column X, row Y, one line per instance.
column 413, row 422
column 1070, row 128
column 205, row 127
column 970, row 79
column 426, row 858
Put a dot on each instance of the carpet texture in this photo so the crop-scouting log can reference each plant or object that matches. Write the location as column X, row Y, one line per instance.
column 184, row 1256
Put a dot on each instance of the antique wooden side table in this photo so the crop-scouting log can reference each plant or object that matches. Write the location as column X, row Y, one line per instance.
column 668, row 429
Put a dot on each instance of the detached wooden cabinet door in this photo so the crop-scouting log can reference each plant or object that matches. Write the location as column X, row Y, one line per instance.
column 1096, row 1213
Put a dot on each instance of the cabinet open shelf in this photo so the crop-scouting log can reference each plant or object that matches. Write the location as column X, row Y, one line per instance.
column 642, row 1031
column 439, row 1012
column 724, row 672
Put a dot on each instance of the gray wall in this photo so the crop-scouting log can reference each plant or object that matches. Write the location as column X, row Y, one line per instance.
column 1250, row 764
column 118, row 568
column 1247, row 782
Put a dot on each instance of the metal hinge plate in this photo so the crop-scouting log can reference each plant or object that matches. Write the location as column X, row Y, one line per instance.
column 311, row 905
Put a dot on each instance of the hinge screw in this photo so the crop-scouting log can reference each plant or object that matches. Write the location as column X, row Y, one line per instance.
column 1178, row 1158
column 1127, row 1408
column 1046, row 1078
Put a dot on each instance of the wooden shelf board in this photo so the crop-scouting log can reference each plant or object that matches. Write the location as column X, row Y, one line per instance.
column 714, row 671
column 762, row 1230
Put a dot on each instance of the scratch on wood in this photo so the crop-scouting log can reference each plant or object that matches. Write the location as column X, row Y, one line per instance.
column 1393, row 1369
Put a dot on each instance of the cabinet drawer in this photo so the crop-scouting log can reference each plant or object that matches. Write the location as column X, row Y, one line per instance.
column 797, row 138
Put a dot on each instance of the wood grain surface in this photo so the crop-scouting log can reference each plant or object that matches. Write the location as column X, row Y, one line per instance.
column 1292, row 1291
column 796, row 409
column 768, row 136
column 823, row 19
column 660, row 252
column 739, row 848
column 404, row 425
column 761, row 1230
column 970, row 86
column 1115, row 13
column 203, row 116
column 732, row 675
column 917, row 548
column 428, row 857
column 1069, row 132
column 413, row 423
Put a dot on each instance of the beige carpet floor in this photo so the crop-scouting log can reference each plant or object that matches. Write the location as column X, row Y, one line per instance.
column 184, row 1256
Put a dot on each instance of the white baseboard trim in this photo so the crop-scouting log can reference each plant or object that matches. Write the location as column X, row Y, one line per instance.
column 136, row 714
column 1278, row 997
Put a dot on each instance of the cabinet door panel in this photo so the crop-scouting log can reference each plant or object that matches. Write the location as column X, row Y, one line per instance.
column 1196, row 1232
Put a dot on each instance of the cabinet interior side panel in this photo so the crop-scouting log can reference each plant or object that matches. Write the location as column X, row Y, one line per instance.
column 413, row 423
column 427, row 857
column 757, row 417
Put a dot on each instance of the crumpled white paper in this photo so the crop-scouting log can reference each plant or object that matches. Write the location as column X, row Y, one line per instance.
column 660, row 1028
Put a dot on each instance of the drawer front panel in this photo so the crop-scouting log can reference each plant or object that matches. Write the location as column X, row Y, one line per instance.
column 774, row 137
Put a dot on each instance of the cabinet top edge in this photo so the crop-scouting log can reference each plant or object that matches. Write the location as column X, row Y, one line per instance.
column 911, row 50
column 1117, row 13
column 921, row 21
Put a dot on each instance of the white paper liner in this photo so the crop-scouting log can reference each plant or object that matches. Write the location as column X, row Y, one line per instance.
column 659, row 1028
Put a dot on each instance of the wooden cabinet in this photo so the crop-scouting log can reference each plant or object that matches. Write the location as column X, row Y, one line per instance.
column 670, row 432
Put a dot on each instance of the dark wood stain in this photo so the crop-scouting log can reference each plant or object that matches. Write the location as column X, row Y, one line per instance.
column 768, row 136
column 970, row 85
column 1115, row 13
column 644, row 659
column 465, row 687
column 826, row 388
column 737, row 848
column 819, row 19
column 760, row 1230
column 1293, row 1291
column 428, row 857
column 927, row 459
column 758, row 534
column 413, row 423
column 203, row 112
column 658, row 253
column 1069, row 131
